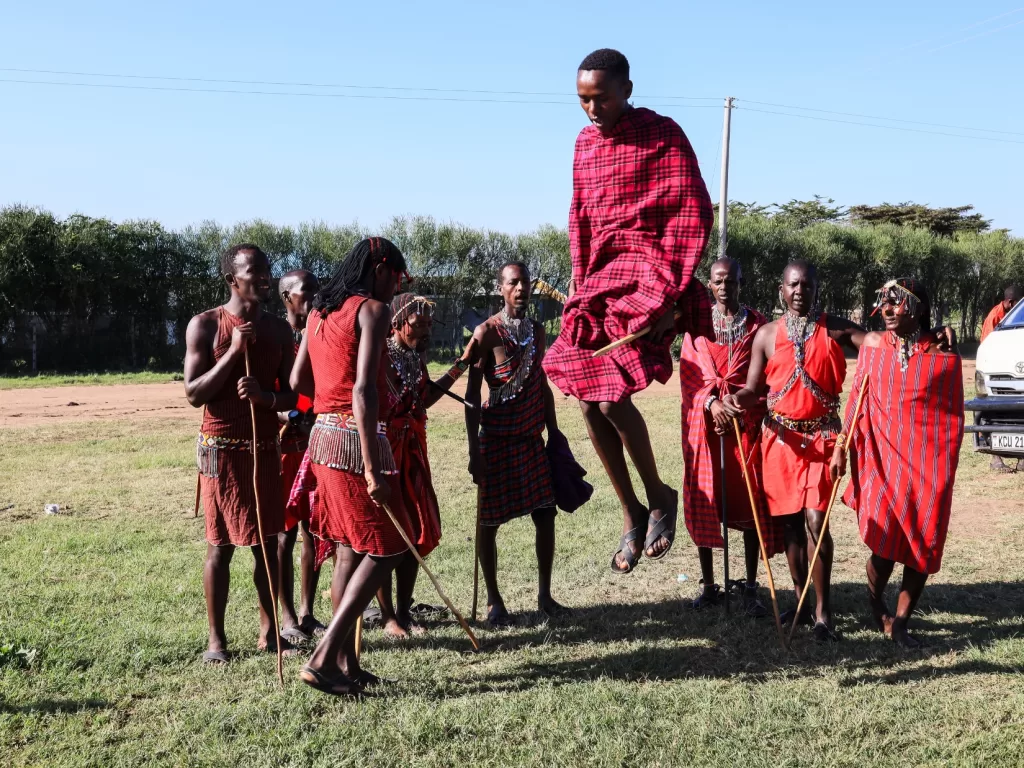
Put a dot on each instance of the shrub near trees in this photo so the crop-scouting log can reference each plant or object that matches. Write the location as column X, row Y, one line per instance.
column 103, row 295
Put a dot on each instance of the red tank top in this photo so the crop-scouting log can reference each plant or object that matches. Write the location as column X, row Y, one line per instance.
column 824, row 364
column 333, row 350
column 226, row 415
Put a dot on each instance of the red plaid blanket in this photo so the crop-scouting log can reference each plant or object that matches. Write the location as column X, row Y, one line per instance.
column 638, row 224
column 904, row 454
column 705, row 369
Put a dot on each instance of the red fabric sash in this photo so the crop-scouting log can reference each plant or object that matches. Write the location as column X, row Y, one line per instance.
column 408, row 438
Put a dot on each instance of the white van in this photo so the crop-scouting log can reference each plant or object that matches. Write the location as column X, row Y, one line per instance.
column 999, row 405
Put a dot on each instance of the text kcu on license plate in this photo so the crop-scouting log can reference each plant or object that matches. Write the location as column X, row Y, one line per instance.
column 1005, row 442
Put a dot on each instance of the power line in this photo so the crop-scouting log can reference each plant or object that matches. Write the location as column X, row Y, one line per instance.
column 380, row 96
column 963, row 29
column 877, row 117
column 295, row 84
column 972, row 37
column 888, row 127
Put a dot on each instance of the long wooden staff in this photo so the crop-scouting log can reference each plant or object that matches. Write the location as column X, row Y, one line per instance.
column 725, row 520
column 433, row 579
column 760, row 536
column 828, row 511
column 476, row 555
column 359, row 636
column 628, row 339
column 195, row 512
column 259, row 528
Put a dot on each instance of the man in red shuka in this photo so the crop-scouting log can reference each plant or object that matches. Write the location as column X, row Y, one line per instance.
column 709, row 369
column 638, row 223
column 904, row 451
column 297, row 289
column 215, row 377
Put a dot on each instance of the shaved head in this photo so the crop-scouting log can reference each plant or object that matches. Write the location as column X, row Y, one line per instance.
column 1012, row 293
column 730, row 265
column 294, row 280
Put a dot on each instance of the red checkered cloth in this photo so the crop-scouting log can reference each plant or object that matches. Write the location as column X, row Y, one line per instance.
column 638, row 224
column 705, row 369
column 516, row 476
column 904, row 453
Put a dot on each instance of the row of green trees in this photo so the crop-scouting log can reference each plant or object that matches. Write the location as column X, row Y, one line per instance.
column 98, row 294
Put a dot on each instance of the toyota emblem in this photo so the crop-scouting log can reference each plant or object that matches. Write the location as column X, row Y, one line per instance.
column 1020, row 368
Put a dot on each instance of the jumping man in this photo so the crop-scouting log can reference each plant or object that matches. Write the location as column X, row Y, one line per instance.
column 638, row 222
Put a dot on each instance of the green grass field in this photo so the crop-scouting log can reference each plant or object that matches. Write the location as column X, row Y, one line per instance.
column 102, row 624
column 87, row 379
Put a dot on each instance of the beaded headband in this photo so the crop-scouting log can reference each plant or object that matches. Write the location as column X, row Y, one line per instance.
column 893, row 292
column 424, row 306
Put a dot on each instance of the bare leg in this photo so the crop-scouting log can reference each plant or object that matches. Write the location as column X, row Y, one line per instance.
column 310, row 576
column 392, row 627
column 608, row 445
column 795, row 535
column 544, row 522
column 709, row 593
column 286, row 582
column 335, row 655
column 822, row 575
column 999, row 465
column 910, row 594
column 266, row 601
column 405, row 585
column 216, row 583
column 496, row 613
column 751, row 554
column 879, row 571
column 632, row 431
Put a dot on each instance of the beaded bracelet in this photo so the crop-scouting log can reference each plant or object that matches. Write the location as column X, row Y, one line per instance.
column 458, row 368
column 841, row 440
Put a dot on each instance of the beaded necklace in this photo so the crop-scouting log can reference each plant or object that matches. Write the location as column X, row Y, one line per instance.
column 799, row 330
column 906, row 347
column 408, row 365
column 729, row 330
column 519, row 333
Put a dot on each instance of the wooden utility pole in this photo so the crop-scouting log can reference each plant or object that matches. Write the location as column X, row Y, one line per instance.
column 723, row 198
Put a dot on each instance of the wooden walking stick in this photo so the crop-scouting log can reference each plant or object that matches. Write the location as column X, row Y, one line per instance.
column 760, row 536
column 476, row 555
column 195, row 512
column 359, row 637
column 433, row 579
column 828, row 511
column 259, row 529
column 628, row 339
column 725, row 521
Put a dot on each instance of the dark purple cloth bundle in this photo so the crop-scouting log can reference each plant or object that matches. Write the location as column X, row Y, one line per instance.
column 571, row 490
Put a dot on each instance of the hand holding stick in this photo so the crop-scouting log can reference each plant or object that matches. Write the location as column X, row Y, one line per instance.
column 760, row 535
column 629, row 339
column 259, row 528
column 824, row 523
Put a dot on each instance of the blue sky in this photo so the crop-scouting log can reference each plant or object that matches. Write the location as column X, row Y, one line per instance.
column 183, row 157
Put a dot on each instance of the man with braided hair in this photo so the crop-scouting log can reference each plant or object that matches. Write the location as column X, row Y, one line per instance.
column 639, row 219
column 507, row 459
column 342, row 363
column 412, row 394
column 902, row 488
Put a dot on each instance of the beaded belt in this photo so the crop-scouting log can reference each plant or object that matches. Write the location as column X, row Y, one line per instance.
column 334, row 443
column 208, row 448
column 826, row 423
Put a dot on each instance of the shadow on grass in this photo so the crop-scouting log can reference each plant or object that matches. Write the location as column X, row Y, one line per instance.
column 641, row 642
column 54, row 707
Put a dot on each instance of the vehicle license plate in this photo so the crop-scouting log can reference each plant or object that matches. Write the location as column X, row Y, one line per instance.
column 1004, row 442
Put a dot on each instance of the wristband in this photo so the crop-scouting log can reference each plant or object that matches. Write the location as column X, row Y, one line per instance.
column 841, row 440
column 708, row 402
column 458, row 368
column 273, row 401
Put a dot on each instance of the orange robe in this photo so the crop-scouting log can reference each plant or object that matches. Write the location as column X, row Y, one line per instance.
column 802, row 421
column 994, row 318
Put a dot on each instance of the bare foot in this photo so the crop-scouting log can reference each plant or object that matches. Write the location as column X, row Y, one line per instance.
column 552, row 608
column 267, row 645
column 903, row 638
column 411, row 626
column 311, row 626
column 498, row 617
column 665, row 511
column 395, row 630
column 881, row 614
column 635, row 521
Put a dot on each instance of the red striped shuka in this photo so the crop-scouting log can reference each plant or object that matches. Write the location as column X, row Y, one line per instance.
column 515, row 478
column 705, row 368
column 904, row 451
column 293, row 451
column 638, row 223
